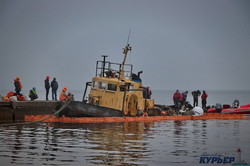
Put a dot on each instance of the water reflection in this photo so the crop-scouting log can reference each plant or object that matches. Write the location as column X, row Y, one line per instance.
column 119, row 144
column 131, row 143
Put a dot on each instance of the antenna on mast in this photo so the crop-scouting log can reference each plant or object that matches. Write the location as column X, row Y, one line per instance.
column 125, row 52
column 128, row 36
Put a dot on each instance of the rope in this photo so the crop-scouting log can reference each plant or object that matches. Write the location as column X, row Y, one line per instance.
column 56, row 113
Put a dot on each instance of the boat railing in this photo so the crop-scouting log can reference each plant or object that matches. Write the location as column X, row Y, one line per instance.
column 111, row 69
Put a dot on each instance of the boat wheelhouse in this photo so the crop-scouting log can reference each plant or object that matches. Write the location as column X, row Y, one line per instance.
column 116, row 86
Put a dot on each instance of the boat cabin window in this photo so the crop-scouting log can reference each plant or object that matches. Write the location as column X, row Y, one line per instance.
column 122, row 87
column 112, row 87
column 102, row 85
column 94, row 84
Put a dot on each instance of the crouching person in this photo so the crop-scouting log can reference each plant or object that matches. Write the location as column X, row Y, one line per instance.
column 33, row 95
column 64, row 96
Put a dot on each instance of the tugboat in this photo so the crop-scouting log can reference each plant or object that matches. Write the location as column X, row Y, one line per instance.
column 114, row 91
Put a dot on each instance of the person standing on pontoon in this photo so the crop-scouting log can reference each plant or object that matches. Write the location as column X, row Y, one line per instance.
column 47, row 87
column 177, row 98
column 184, row 97
column 54, row 87
column 204, row 100
column 196, row 94
column 18, row 86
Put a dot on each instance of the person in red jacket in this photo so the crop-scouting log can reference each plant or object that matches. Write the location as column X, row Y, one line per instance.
column 204, row 99
column 177, row 98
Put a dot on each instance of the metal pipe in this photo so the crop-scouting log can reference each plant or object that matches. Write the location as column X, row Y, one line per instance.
column 104, row 61
column 86, row 87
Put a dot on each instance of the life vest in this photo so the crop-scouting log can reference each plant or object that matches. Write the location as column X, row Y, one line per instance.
column 6, row 98
column 21, row 98
column 20, row 85
column 9, row 94
column 33, row 94
column 63, row 96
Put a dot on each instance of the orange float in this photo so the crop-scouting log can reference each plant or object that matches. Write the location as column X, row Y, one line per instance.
column 63, row 119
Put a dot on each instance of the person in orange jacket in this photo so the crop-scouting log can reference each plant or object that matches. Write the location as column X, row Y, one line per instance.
column 63, row 94
column 18, row 85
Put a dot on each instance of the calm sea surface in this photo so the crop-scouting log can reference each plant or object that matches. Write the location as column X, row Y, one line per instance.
column 130, row 143
column 133, row 143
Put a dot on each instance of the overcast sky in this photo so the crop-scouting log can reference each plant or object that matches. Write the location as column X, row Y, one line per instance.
column 179, row 44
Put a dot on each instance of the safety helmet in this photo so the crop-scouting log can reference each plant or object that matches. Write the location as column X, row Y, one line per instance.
column 47, row 77
column 17, row 78
column 64, row 89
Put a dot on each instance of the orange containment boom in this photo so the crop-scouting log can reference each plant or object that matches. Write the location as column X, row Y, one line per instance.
column 206, row 116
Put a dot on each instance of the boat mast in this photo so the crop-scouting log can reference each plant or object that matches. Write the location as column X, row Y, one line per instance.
column 125, row 52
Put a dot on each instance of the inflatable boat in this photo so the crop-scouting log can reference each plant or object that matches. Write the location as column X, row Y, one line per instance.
column 243, row 109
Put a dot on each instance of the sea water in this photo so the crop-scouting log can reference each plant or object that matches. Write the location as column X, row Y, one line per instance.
column 131, row 143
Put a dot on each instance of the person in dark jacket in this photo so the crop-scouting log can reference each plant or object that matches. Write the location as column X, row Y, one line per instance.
column 33, row 94
column 54, row 87
column 47, row 86
column 196, row 94
column 184, row 97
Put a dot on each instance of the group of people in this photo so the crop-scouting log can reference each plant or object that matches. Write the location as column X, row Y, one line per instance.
column 54, row 87
column 181, row 98
column 33, row 94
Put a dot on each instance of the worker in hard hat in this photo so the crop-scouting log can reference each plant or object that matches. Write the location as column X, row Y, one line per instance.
column 47, row 86
column 63, row 94
column 33, row 95
column 18, row 85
